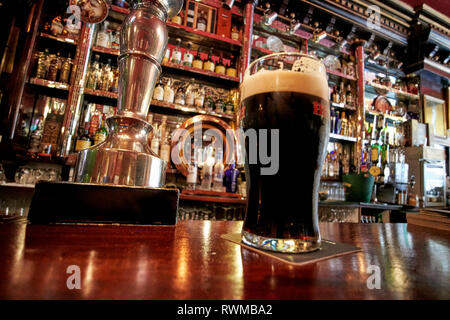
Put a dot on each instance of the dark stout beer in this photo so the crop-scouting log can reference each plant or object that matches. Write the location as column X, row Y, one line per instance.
column 282, row 208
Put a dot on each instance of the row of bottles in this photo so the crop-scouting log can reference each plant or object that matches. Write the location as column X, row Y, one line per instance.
column 107, row 38
column 53, row 67
column 195, row 95
column 102, row 76
column 189, row 58
column 343, row 95
column 93, row 127
column 341, row 124
column 337, row 162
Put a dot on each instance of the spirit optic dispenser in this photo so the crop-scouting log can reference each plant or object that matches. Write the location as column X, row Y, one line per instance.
column 125, row 158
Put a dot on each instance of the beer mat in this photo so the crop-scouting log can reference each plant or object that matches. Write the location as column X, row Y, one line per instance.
column 328, row 250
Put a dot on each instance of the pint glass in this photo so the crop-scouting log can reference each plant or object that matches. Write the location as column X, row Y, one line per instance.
column 285, row 107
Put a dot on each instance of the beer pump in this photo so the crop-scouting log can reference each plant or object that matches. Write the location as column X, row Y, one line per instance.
column 120, row 180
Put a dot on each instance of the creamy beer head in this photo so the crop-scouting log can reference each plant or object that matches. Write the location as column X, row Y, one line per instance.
column 304, row 75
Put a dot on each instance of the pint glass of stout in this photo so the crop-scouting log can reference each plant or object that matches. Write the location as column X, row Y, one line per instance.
column 287, row 92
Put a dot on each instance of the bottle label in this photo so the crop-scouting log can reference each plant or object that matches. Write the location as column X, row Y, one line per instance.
column 99, row 137
column 198, row 64
column 220, row 69
column 199, row 102
column 169, row 95
column 179, row 100
column 208, row 65
column 155, row 146
column 102, row 39
column 235, row 36
column 374, row 154
column 158, row 94
column 82, row 144
column 94, row 124
column 190, row 99
column 231, row 72
column 187, row 59
column 192, row 175
column 165, row 153
column 201, row 26
column 176, row 57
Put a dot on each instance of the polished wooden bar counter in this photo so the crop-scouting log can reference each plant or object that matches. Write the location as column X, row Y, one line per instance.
column 192, row 261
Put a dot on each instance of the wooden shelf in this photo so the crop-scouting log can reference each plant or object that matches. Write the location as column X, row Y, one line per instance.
column 193, row 110
column 213, row 75
column 186, row 32
column 343, row 106
column 49, row 84
column 340, row 75
column 60, row 38
column 338, row 137
column 387, row 116
column 161, row 104
column 392, row 93
column 100, row 93
column 111, row 51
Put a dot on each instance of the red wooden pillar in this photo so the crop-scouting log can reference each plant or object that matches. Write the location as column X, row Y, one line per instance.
column 359, row 53
column 248, row 33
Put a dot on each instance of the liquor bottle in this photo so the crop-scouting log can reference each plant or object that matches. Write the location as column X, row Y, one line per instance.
column 83, row 140
column 106, row 76
column 349, row 96
column 103, row 39
column 155, row 141
column 53, row 67
column 207, row 174
column 198, row 62
column 337, row 124
column 191, row 178
column 188, row 56
column 115, row 40
column 92, row 75
column 165, row 149
column 375, row 152
column 231, row 70
column 190, row 93
column 169, row 95
column 42, row 66
column 218, row 171
column 101, row 133
column 230, row 178
column 344, row 125
column 158, row 93
column 180, row 96
column 335, row 96
column 166, row 56
column 209, row 102
column 235, row 33
column 342, row 93
column 201, row 21
column 65, row 70
column 220, row 67
column 229, row 105
column 199, row 98
column 94, row 122
column 176, row 53
column 209, row 64
column 162, row 127
column 332, row 120
column 218, row 105
column 36, row 135
column 385, row 149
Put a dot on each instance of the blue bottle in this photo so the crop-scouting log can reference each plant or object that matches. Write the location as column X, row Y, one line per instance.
column 230, row 178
